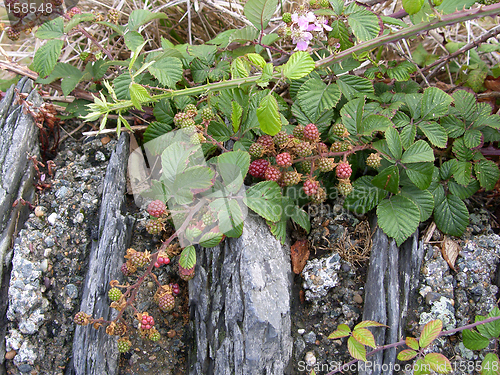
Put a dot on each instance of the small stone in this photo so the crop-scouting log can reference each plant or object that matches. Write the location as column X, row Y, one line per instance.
column 40, row 211
column 105, row 140
column 24, row 368
column 99, row 156
column 10, row 354
column 310, row 337
column 52, row 218
column 310, row 358
column 357, row 298
column 44, row 265
column 431, row 297
column 171, row 333
column 78, row 218
column 71, row 291
column 61, row 192
column 301, row 331
column 49, row 241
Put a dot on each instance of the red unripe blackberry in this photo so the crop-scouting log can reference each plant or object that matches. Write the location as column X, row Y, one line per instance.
column 303, row 149
column 124, row 345
column 339, row 147
column 343, row 170
column 340, row 130
column 272, row 174
column 319, row 197
column 73, row 11
column 291, row 178
column 325, row 164
column 298, row 131
column 156, row 208
column 281, row 138
column 311, row 187
column 163, row 260
column 186, row 274
column 311, row 133
column 114, row 294
column 166, row 302
column 139, row 259
column 147, row 322
column 284, row 160
column 345, row 188
column 128, row 269
column 373, row 160
column 258, row 168
column 175, row 289
column 256, row 150
column 266, row 141
column 81, row 318
column 154, row 226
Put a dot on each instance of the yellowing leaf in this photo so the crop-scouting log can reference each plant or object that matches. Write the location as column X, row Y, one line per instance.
column 412, row 342
column 342, row 330
column 430, row 332
column 356, row 349
column 369, row 323
column 407, row 354
column 438, row 363
column 364, row 336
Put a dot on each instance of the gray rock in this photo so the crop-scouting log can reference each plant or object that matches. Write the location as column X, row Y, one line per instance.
column 71, row 291
column 240, row 303
column 94, row 352
column 310, row 337
column 18, row 138
column 24, row 367
column 320, row 275
column 49, row 241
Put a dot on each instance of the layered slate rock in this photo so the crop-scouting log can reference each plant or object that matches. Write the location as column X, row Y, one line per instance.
column 18, row 141
column 391, row 288
column 94, row 352
column 240, row 304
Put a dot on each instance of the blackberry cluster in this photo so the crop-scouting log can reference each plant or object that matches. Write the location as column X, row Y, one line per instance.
column 147, row 322
column 340, row 130
column 344, row 187
column 115, row 294
column 258, row 168
column 156, row 208
column 284, row 160
column 139, row 259
column 373, row 160
column 162, row 260
column 113, row 16
column 186, row 274
column 166, row 302
column 124, row 345
column 272, row 174
column 344, row 171
column 311, row 187
column 81, row 318
column 207, row 114
column 311, row 133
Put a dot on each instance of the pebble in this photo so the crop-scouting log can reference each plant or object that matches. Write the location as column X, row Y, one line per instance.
column 24, row 368
column 310, row 358
column 301, row 331
column 99, row 156
column 49, row 241
column 40, row 211
column 105, row 140
column 52, row 218
column 171, row 333
column 357, row 298
column 310, row 337
column 10, row 354
column 71, row 291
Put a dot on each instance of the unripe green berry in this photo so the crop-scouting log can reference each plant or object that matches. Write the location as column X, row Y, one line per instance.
column 114, row 294
column 286, row 17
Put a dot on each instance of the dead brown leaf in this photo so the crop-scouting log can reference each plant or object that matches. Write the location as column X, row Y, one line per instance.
column 300, row 255
column 450, row 250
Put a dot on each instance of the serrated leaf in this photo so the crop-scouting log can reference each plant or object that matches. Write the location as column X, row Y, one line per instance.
column 299, row 65
column 412, row 6
column 465, row 104
column 394, row 143
column 265, row 199
column 69, row 74
column 352, row 115
column 421, row 367
column 490, row 364
column 353, row 86
column 430, row 332
column 435, row 133
column 438, row 363
column 435, row 103
column 219, row 131
column 374, row 123
column 239, row 159
column 364, row 24
column 231, row 218
column 472, row 138
column 364, row 336
column 356, row 349
column 51, row 29
column 407, row 354
column 133, row 40
column 156, row 129
column 167, row 70
column 365, row 196
column 453, row 126
column 342, row 330
column 259, row 12
column 268, row 115
column 462, row 172
column 46, row 57
column 369, row 323
column 422, row 198
column 408, row 134
column 461, row 151
column 473, row 340
column 315, row 98
column 140, row 17
column 463, row 192
column 187, row 259
column 300, row 217
column 138, row 95
column 420, row 174
column 163, row 112
column 451, row 215
column 398, row 217
column 388, row 179
column 412, row 343
column 211, row 239
column 236, row 113
column 341, row 32
column 487, row 173
column 418, row 152
column 245, row 34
